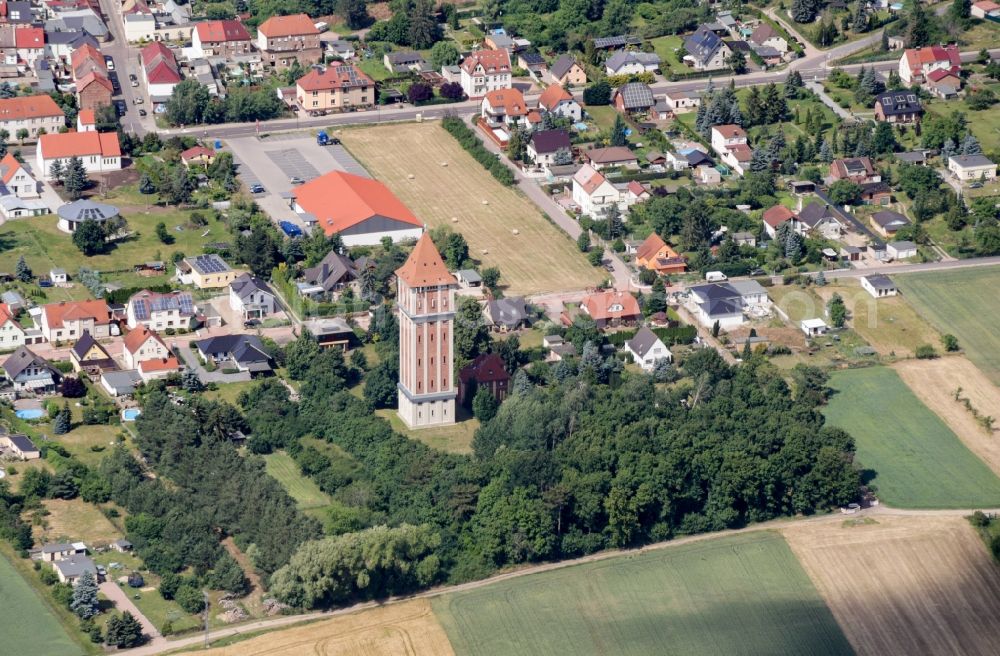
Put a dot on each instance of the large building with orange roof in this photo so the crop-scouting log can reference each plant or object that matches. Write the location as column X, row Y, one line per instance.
column 484, row 71
column 93, row 90
column 425, row 298
column 31, row 113
column 283, row 40
column 67, row 321
column 361, row 210
column 100, row 152
column 220, row 38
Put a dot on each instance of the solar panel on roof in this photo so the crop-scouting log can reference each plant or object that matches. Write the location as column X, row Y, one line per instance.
column 141, row 313
column 187, row 303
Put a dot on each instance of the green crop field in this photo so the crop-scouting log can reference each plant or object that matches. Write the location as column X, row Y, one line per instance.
column 964, row 303
column 918, row 462
column 741, row 594
column 303, row 489
column 26, row 625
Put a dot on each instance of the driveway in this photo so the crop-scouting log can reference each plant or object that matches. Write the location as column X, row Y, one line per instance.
column 122, row 602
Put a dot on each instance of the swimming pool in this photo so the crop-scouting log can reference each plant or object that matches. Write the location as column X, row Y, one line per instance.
column 30, row 413
column 129, row 414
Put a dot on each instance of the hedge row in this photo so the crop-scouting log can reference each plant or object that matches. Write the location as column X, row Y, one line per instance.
column 669, row 336
column 472, row 145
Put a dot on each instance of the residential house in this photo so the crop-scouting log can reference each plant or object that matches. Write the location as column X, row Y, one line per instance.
column 744, row 239
column 727, row 302
column 592, row 192
column 161, row 311
column 87, row 59
column 88, row 356
column 251, row 297
column 198, row 156
column 878, row 286
column 972, row 168
column 70, row 569
column 819, row 218
column 331, row 333
column 73, row 215
column 567, row 72
column 504, row 107
column 220, row 38
column 284, row 40
column 616, row 42
column 12, row 207
column 506, row 314
column 858, row 170
column 901, row 106
column 730, row 142
column 887, row 222
column 901, row 250
column 876, row 193
column 15, row 178
column 611, row 157
column 142, row 346
column 58, row 276
column 205, row 272
column 484, row 71
column 243, row 352
column 633, row 98
column 340, row 48
column 67, row 321
column 31, row 113
column 468, row 279
column 160, row 73
column 121, row 383
column 657, row 255
column 985, row 9
column 534, row 62
column 12, row 335
column 629, row 62
column 31, row 373
column 30, row 42
column 486, row 370
column 100, row 152
column 545, row 146
column 333, row 274
column 361, row 210
column 647, row 349
column 766, row 36
column 917, row 63
column 706, row 51
column 121, row 545
column 681, row 102
column 774, row 216
column 557, row 101
column 340, row 87
column 558, row 348
column 61, row 45
column 55, row 551
column 93, row 91
column 404, row 61
column 611, row 308
column 19, row 446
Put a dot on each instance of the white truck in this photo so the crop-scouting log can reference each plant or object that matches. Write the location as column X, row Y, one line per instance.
column 715, row 276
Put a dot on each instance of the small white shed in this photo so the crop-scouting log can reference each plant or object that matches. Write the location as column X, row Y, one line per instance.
column 813, row 327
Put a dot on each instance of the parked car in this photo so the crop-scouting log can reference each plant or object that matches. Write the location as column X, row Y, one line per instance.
column 256, row 189
column 251, row 323
column 138, row 101
column 296, row 180
column 290, row 229
column 142, row 112
column 110, row 63
column 134, row 83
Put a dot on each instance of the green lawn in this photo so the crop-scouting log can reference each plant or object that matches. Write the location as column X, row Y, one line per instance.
column 44, row 246
column 456, row 438
column 744, row 594
column 602, row 115
column 666, row 47
column 916, row 460
column 963, row 303
column 26, row 624
column 985, row 124
column 229, row 391
column 303, row 489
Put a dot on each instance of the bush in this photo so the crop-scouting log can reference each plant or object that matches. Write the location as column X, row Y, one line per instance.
column 925, row 352
column 950, row 343
column 472, row 145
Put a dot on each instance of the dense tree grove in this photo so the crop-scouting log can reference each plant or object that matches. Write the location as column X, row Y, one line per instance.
column 589, row 459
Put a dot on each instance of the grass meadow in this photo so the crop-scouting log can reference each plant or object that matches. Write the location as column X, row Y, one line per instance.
column 965, row 303
column 303, row 489
column 915, row 459
column 742, row 594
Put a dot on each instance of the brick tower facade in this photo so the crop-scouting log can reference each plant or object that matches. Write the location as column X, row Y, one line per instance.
column 425, row 297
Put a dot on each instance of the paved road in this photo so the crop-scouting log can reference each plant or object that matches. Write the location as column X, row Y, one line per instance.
column 116, row 594
column 126, row 60
column 898, row 269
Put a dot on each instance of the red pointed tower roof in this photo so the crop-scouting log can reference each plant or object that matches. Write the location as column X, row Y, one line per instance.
column 425, row 267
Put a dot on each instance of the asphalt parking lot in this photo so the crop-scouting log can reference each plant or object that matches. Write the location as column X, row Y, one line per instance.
column 273, row 161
